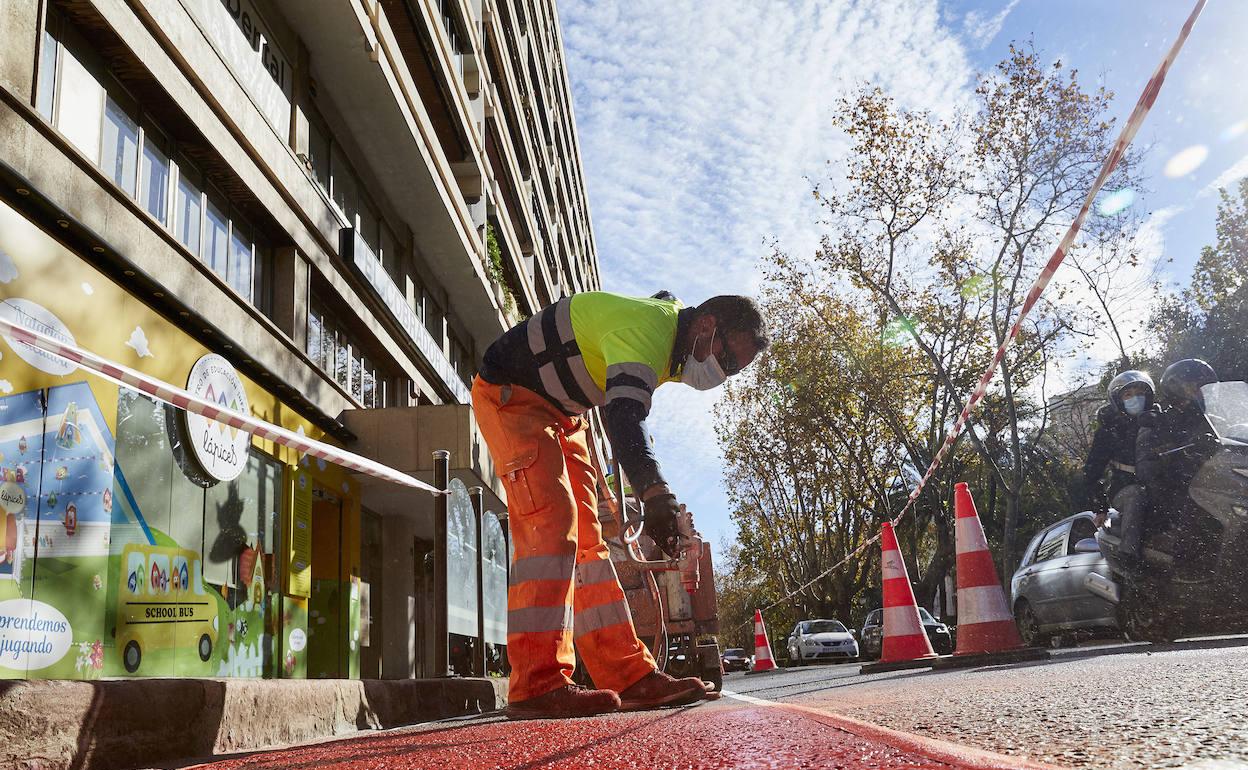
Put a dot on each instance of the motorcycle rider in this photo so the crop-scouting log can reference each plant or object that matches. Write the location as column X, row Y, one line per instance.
column 1130, row 395
column 1164, row 465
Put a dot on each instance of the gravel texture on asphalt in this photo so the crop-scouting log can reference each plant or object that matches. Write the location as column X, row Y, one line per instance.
column 715, row 736
column 1116, row 707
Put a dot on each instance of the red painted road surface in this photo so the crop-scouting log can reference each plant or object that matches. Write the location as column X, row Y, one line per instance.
column 720, row 736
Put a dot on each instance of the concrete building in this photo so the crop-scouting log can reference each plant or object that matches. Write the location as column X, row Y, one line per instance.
column 323, row 213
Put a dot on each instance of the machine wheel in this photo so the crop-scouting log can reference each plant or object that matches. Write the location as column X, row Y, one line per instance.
column 1028, row 626
column 1141, row 618
column 131, row 656
column 205, row 648
column 716, row 677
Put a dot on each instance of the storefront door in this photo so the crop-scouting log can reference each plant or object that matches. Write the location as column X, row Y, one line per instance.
column 326, row 632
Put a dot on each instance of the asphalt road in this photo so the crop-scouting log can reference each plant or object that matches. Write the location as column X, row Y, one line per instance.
column 1113, row 706
column 1107, row 706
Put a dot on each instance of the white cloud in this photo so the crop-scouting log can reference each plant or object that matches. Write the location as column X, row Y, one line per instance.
column 1237, row 171
column 700, row 122
column 8, row 269
column 6, row 387
column 87, row 289
column 138, row 341
column 980, row 29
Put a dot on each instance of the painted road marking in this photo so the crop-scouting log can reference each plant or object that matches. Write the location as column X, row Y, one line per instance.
column 941, row 751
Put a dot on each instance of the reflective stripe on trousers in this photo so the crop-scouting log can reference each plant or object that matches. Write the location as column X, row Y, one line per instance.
column 562, row 584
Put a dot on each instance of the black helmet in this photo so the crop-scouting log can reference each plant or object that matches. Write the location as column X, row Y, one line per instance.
column 1182, row 381
column 1125, row 380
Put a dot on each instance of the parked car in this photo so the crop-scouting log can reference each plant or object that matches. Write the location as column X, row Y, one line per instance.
column 1047, row 591
column 735, row 659
column 821, row 640
column 872, row 637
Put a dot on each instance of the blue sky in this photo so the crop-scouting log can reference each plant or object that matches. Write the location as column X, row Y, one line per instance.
column 701, row 122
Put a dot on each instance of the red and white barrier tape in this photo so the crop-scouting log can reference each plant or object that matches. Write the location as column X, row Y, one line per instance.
column 182, row 399
column 1129, row 129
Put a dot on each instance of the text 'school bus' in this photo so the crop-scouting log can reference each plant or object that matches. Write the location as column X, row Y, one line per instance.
column 162, row 604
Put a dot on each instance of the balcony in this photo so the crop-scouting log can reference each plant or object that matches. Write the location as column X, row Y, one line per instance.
column 365, row 264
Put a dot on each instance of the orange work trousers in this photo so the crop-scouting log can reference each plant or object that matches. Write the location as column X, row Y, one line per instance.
column 562, row 586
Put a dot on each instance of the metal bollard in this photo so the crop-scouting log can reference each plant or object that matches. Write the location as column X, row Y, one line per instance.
column 441, row 644
column 478, row 508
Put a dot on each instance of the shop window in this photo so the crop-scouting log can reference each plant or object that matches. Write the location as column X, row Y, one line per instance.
column 120, row 148
column 154, row 176
column 240, row 518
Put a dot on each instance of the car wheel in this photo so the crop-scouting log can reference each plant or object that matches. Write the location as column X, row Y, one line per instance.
column 205, row 648
column 1028, row 626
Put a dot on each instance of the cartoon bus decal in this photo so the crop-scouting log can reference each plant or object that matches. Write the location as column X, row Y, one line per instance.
column 162, row 604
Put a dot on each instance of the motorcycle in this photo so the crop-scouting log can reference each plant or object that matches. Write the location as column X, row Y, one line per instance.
column 1191, row 575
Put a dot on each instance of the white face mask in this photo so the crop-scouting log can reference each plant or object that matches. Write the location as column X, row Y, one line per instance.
column 703, row 375
column 1135, row 405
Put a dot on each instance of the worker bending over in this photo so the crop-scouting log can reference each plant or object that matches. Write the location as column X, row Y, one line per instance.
column 536, row 384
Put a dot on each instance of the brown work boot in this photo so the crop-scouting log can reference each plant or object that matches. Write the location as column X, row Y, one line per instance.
column 569, row 701
column 656, row 689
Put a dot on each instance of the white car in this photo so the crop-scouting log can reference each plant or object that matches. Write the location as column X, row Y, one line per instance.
column 821, row 640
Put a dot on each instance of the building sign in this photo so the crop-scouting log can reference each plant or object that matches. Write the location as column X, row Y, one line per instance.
column 219, row 448
column 248, row 48
column 37, row 318
column 33, row 635
column 299, row 566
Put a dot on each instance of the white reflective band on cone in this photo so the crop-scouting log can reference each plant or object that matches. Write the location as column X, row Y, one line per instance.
column 172, row 394
column 893, row 566
column 970, row 535
column 901, row 621
column 984, row 604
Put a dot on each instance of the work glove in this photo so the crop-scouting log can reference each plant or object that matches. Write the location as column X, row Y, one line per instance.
column 660, row 522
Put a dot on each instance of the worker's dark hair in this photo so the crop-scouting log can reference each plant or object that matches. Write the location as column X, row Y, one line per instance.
column 734, row 313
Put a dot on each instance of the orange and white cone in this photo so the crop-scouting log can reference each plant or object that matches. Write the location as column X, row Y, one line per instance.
column 904, row 637
column 985, row 622
column 763, row 660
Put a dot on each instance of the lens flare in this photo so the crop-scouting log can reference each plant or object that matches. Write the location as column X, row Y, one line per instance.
column 1186, row 161
column 1116, row 202
column 898, row 331
column 1235, row 130
column 976, row 287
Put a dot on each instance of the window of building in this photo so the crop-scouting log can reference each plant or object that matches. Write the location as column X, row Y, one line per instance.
column 154, row 177
column 242, row 259
column 342, row 357
column 318, row 153
column 79, row 106
column 120, row 148
column 216, row 236
column 189, row 209
column 108, row 126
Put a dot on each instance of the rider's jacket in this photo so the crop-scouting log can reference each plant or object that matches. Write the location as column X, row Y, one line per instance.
column 1113, row 447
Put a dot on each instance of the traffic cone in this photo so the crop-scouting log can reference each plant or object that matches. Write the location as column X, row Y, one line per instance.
column 763, row 660
column 904, row 637
column 986, row 624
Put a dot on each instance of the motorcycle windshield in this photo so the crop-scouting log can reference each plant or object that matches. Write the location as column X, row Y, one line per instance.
column 1226, row 406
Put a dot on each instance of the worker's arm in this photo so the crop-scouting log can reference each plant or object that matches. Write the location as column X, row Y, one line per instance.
column 630, row 386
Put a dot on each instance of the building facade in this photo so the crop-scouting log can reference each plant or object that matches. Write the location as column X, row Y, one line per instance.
column 320, row 213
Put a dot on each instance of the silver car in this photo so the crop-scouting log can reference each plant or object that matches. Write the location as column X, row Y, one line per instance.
column 1048, row 592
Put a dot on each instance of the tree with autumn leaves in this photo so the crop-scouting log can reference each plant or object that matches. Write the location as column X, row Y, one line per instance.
column 933, row 238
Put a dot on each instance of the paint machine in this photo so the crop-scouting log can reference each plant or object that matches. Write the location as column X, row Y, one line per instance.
column 672, row 600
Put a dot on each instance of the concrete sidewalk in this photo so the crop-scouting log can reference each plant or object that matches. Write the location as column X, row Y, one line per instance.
column 127, row 723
